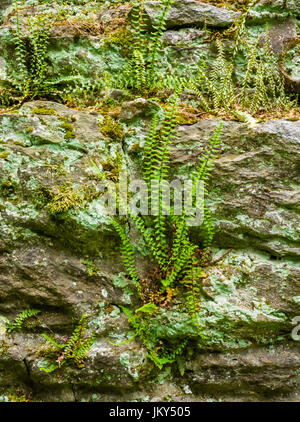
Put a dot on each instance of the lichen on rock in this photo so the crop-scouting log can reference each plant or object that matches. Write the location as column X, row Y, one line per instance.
column 60, row 253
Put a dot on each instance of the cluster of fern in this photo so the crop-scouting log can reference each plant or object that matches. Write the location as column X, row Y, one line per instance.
column 218, row 85
column 31, row 54
column 142, row 72
column 260, row 90
column 177, row 259
column 74, row 351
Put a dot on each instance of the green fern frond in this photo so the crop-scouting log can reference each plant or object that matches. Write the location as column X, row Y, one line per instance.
column 127, row 254
column 20, row 319
column 75, row 350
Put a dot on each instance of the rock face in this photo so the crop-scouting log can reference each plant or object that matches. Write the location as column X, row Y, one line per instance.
column 281, row 33
column 254, row 195
column 191, row 13
column 249, row 297
column 257, row 372
column 60, row 254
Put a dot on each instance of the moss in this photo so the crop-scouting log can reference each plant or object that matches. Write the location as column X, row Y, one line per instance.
column 64, row 200
column 92, row 268
column 44, row 111
column 60, row 199
column 90, row 192
column 112, row 129
column 112, row 167
column 188, row 115
column 69, row 135
column 121, row 38
column 69, row 129
column 22, row 144
column 8, row 187
column 67, row 126
column 3, row 348
column 4, row 154
column 49, row 352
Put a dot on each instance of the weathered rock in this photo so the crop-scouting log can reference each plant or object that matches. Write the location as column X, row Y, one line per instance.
column 293, row 6
column 291, row 74
column 3, row 6
column 281, row 33
column 254, row 192
column 261, row 373
column 182, row 36
column 273, row 10
column 138, row 108
column 191, row 13
column 68, row 263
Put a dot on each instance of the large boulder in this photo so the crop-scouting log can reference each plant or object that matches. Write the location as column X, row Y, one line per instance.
column 185, row 13
column 60, row 255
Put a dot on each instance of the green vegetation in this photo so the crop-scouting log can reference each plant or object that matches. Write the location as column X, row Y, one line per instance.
column 112, row 129
column 235, row 76
column 244, row 77
column 60, row 199
column 176, row 259
column 262, row 88
column 18, row 323
column 31, row 53
column 44, row 111
column 92, row 268
column 75, row 351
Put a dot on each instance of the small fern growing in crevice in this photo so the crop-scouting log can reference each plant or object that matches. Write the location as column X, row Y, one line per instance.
column 263, row 85
column 74, row 351
column 31, row 47
column 260, row 89
column 142, row 69
column 21, row 319
column 155, row 45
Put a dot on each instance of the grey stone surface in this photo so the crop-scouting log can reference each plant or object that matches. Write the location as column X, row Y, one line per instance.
column 191, row 13
column 249, row 297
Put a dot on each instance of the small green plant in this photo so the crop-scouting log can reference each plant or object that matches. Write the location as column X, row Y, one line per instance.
column 142, row 70
column 20, row 319
column 176, row 258
column 61, row 199
column 263, row 85
column 75, row 351
column 159, row 354
column 44, row 111
column 112, row 129
column 31, row 54
column 261, row 88
column 92, row 268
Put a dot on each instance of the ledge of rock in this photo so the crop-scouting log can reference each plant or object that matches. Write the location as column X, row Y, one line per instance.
column 191, row 13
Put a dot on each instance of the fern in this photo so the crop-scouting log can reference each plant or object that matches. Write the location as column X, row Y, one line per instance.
column 160, row 356
column 202, row 173
column 142, row 69
column 159, row 27
column 175, row 254
column 75, row 350
column 20, row 319
column 127, row 254
column 168, row 356
column 31, row 52
column 263, row 85
column 193, row 291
